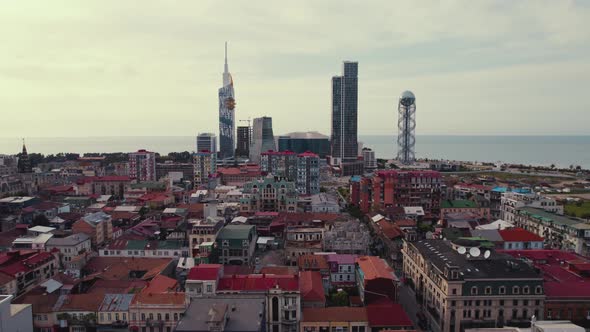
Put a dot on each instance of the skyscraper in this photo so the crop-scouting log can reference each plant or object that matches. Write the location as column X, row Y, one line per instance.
column 262, row 138
column 344, row 144
column 207, row 142
column 243, row 148
column 406, row 124
column 227, row 105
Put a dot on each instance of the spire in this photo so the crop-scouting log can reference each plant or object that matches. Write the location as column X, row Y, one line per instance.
column 24, row 147
column 24, row 164
column 226, row 75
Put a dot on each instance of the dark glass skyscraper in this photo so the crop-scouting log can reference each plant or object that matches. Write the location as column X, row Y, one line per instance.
column 243, row 149
column 227, row 105
column 344, row 144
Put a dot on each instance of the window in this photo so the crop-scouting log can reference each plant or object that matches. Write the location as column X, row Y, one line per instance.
column 109, row 317
column 124, row 317
column 488, row 290
column 525, row 302
column 537, row 302
column 159, row 316
column 143, row 317
column 515, row 290
column 514, row 313
column 175, row 316
column 151, row 316
column 474, row 290
column 538, row 290
column 525, row 290
column 134, row 317
column 454, row 291
column 117, row 316
column 101, row 316
column 209, row 288
column 514, row 302
column 167, row 316
column 502, row 290
column 549, row 312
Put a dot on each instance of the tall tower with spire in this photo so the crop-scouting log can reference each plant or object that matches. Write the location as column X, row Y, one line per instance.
column 24, row 163
column 227, row 104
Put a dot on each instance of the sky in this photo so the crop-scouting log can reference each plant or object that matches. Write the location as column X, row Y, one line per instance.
column 144, row 68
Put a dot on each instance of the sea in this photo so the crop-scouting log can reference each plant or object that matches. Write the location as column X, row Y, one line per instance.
column 562, row 151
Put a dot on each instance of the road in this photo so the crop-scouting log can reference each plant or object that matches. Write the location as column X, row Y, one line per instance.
column 407, row 298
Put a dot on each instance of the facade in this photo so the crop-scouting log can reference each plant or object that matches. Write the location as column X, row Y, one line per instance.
column 142, row 166
column 15, row 317
column 97, row 225
column 236, row 244
column 559, row 232
column 308, row 173
column 463, row 206
column 460, row 291
column 511, row 201
column 29, row 269
column 205, row 163
column 325, row 203
column 385, row 189
column 103, row 185
column 283, row 299
column 202, row 280
column 375, row 280
column 238, row 176
column 520, row 239
column 300, row 142
column 344, row 145
column 206, row 142
column 342, row 269
column 74, row 251
column 156, row 311
column 351, row 319
column 262, row 138
column 281, row 164
column 270, row 194
column 227, row 121
column 244, row 138
column 174, row 170
column 406, row 125
column 114, row 310
column 369, row 159
column 237, row 314
column 300, row 241
column 204, row 230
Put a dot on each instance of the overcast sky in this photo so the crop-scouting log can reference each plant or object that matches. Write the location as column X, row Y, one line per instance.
column 109, row 68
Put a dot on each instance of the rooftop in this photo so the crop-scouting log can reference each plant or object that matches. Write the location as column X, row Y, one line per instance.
column 374, row 267
column 311, row 286
column 498, row 266
column 71, row 240
column 116, row 302
column 235, row 232
column 334, row 314
column 205, row 272
column 387, row 315
column 519, row 235
column 258, row 282
column 244, row 314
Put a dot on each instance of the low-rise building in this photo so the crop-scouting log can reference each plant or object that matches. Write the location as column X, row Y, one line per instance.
column 97, row 225
column 127, row 247
column 74, row 251
column 237, row 314
column 342, row 270
column 236, row 244
column 283, row 299
column 153, row 311
column 28, row 268
column 559, row 232
column 463, row 206
column 114, row 310
column 202, row 280
column 324, row 203
column 301, row 241
column 311, row 287
column 376, row 280
column 511, row 201
column 519, row 239
column 204, row 230
column 352, row 319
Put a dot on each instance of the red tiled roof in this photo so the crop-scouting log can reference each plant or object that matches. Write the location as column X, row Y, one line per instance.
column 283, row 270
column 405, row 223
column 204, row 272
column 387, row 315
column 389, row 230
column 311, row 286
column 5, row 278
column 308, row 154
column 312, row 262
column 258, row 282
column 556, row 289
column 101, row 286
column 161, row 284
column 42, row 303
column 81, row 302
column 519, row 235
column 118, row 268
column 374, row 267
column 334, row 314
column 277, row 153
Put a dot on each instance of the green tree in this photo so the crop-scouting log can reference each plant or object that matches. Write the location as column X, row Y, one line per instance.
column 339, row 299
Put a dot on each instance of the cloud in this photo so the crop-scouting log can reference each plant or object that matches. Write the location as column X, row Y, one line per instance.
column 153, row 67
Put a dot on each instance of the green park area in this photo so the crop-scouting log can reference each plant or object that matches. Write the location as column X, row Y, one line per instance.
column 578, row 209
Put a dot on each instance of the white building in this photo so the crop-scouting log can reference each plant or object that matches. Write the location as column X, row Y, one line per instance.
column 142, row 165
column 74, row 251
column 324, row 203
column 15, row 317
column 511, row 201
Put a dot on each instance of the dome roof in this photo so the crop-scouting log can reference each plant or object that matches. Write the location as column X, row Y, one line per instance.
column 407, row 98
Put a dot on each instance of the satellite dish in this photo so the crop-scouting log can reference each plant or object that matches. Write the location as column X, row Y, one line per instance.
column 475, row 252
column 487, row 254
column 462, row 250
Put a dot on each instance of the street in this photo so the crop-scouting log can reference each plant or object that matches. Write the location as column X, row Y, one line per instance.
column 407, row 298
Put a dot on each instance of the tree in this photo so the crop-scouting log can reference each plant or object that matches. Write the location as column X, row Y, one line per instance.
column 578, row 168
column 552, row 166
column 40, row 220
column 339, row 299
